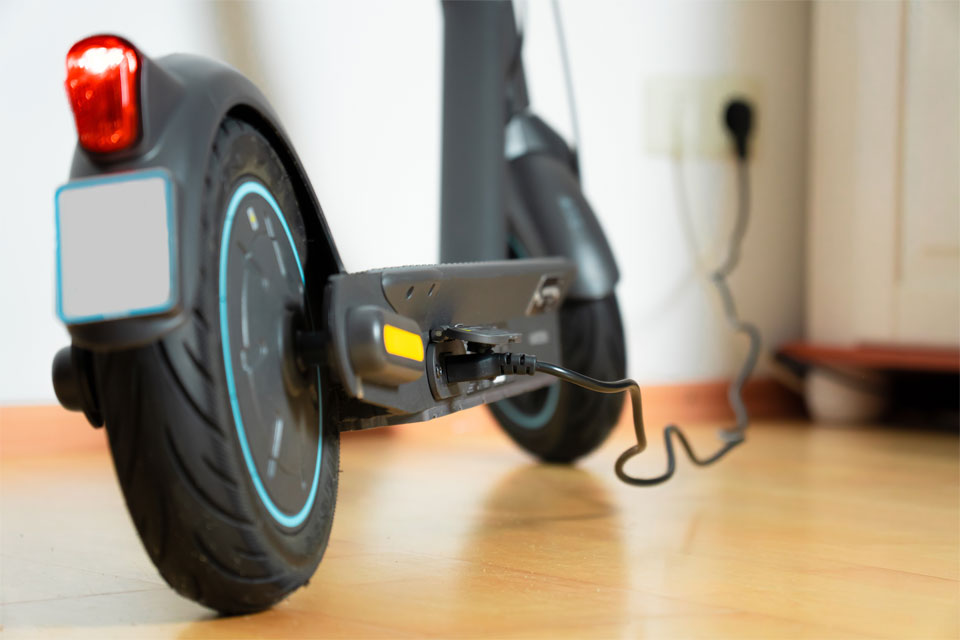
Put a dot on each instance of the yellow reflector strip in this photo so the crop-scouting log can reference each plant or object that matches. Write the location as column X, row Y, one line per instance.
column 402, row 343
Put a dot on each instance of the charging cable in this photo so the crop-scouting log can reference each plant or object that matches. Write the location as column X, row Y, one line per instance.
column 738, row 118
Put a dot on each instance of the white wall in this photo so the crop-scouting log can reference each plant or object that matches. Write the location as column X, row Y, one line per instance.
column 358, row 87
column 36, row 147
column 675, row 330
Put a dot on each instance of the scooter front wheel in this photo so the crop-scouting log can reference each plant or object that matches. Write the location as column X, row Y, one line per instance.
column 222, row 442
column 562, row 422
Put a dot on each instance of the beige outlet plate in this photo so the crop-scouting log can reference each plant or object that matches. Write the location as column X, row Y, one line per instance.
column 683, row 115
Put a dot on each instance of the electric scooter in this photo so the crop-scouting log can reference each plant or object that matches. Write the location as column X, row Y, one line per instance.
column 217, row 336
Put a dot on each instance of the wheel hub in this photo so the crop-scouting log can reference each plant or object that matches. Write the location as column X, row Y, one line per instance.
column 262, row 308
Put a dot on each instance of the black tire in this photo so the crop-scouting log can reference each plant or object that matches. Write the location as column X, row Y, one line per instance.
column 175, row 444
column 564, row 422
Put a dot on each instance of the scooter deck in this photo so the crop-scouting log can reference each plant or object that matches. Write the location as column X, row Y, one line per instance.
column 521, row 296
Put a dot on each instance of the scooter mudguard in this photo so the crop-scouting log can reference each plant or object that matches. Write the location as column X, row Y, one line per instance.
column 544, row 192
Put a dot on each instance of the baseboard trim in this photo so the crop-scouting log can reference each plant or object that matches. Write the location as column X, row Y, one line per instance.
column 765, row 398
column 46, row 430
column 50, row 429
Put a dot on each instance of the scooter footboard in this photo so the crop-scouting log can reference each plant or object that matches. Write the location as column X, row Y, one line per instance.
column 390, row 330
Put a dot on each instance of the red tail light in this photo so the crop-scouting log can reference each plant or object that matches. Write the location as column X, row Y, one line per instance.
column 104, row 93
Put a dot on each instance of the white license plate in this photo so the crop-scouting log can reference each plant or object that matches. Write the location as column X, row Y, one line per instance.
column 116, row 247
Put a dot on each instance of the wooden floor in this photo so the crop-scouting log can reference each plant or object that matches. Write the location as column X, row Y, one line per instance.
column 445, row 529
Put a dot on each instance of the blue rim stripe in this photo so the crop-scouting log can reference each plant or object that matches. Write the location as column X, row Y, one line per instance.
column 285, row 519
column 538, row 419
column 171, row 242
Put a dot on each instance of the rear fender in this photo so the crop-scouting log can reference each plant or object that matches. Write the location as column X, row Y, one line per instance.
column 184, row 100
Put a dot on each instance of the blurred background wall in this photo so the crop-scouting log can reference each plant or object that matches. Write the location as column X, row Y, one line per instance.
column 357, row 85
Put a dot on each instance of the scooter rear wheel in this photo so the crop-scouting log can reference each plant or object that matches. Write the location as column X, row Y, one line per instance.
column 223, row 444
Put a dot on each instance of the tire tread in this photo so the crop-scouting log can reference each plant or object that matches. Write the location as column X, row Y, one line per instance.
column 170, row 432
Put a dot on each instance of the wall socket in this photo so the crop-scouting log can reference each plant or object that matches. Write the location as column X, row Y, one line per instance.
column 683, row 115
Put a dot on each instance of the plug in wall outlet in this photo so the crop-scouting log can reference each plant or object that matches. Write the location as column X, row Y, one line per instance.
column 683, row 115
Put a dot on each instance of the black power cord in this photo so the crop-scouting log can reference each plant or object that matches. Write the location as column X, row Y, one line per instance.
column 738, row 118
column 489, row 365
